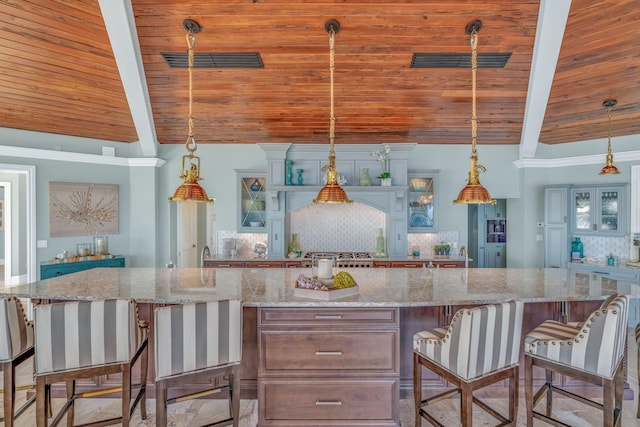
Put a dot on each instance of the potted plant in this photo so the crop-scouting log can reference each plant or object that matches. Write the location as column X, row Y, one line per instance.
column 442, row 250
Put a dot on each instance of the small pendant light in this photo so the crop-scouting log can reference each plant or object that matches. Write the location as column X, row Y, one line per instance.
column 331, row 192
column 190, row 190
column 474, row 192
column 609, row 168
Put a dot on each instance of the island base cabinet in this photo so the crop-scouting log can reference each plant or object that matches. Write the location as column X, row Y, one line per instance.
column 328, row 366
column 328, row 402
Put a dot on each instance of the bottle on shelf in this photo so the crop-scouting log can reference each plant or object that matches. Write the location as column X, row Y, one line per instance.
column 577, row 249
column 380, row 242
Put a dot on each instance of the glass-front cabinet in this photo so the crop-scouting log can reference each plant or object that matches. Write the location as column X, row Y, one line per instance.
column 422, row 195
column 599, row 210
column 252, row 216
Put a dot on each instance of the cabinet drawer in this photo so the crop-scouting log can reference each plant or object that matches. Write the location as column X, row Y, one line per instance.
column 347, row 316
column 223, row 264
column 337, row 352
column 264, row 264
column 407, row 264
column 327, row 402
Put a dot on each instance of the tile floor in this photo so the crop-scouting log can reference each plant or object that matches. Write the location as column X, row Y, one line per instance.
column 194, row 413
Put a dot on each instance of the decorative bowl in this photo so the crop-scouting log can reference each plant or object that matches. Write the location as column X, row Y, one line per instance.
column 255, row 223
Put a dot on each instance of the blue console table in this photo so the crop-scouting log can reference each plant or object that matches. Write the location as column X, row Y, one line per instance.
column 49, row 270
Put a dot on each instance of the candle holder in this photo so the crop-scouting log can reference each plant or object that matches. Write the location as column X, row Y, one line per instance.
column 323, row 267
column 100, row 245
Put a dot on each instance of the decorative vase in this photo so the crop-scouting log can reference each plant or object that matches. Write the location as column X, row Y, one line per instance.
column 380, row 242
column 299, row 175
column 256, row 185
column 294, row 246
column 289, row 177
column 365, row 179
column 385, row 182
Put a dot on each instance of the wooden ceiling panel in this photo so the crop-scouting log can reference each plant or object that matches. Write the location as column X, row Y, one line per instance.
column 58, row 73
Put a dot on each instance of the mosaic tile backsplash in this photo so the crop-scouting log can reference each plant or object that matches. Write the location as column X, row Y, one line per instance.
column 356, row 230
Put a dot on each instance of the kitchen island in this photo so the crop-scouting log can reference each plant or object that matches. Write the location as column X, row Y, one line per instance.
column 341, row 362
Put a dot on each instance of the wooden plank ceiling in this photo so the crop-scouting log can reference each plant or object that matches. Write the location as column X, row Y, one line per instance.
column 58, row 73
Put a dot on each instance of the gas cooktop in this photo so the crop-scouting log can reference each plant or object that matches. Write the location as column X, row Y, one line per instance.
column 345, row 259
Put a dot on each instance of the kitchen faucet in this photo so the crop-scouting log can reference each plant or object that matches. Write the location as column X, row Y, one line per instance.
column 463, row 252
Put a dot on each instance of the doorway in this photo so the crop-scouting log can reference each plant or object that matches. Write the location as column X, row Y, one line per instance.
column 19, row 220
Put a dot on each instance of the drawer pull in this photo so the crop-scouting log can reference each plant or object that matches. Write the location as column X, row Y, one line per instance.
column 328, row 316
column 328, row 353
column 328, row 402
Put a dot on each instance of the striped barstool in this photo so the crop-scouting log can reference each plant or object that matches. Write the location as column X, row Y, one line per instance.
column 591, row 351
column 16, row 346
column 84, row 339
column 198, row 349
column 480, row 347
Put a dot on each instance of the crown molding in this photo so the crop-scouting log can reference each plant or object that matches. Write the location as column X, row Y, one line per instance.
column 66, row 156
column 593, row 159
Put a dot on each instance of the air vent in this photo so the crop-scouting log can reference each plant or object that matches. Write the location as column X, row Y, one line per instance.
column 215, row 60
column 458, row 60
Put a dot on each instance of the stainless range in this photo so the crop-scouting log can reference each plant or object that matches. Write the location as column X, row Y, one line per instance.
column 345, row 259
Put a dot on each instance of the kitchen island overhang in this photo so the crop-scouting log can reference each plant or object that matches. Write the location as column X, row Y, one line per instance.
column 274, row 287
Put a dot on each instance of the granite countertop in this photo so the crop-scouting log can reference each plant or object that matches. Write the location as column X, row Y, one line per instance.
column 602, row 264
column 395, row 287
column 253, row 257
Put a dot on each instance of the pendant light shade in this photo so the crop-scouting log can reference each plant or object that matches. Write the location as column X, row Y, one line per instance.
column 190, row 190
column 609, row 168
column 332, row 192
column 474, row 192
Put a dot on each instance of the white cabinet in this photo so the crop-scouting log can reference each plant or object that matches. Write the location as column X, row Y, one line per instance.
column 252, row 217
column 599, row 210
column 555, row 227
column 422, row 199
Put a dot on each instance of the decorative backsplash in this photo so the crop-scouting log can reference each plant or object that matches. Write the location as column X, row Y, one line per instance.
column 601, row 247
column 348, row 228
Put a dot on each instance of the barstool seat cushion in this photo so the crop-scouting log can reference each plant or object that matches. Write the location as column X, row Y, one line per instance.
column 479, row 340
column 16, row 333
column 595, row 346
column 80, row 334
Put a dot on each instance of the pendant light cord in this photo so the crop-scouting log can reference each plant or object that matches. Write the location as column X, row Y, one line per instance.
column 191, row 142
column 332, row 119
column 474, row 66
column 609, row 118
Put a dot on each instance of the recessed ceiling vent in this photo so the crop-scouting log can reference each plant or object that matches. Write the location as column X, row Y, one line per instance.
column 458, row 60
column 215, row 60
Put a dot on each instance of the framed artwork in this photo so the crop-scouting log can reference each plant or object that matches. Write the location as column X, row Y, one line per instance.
column 1, row 215
column 77, row 209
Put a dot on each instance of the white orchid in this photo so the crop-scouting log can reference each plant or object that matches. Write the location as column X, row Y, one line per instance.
column 383, row 157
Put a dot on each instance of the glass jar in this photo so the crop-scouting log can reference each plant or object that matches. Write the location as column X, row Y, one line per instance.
column 83, row 249
column 100, row 245
column 322, row 267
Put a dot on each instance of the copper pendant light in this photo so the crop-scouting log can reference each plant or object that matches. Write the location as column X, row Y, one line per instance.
column 609, row 168
column 331, row 192
column 190, row 190
column 474, row 192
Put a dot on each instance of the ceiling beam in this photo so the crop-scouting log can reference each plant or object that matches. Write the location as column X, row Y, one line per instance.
column 121, row 28
column 552, row 20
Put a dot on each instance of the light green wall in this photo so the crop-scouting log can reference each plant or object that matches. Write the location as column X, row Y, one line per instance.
column 145, row 226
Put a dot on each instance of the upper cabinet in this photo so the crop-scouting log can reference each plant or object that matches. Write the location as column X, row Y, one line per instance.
column 252, row 216
column 599, row 210
column 422, row 201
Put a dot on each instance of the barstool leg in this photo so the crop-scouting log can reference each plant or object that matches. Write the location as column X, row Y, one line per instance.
column 466, row 404
column 608, row 402
column 41, row 403
column 126, row 397
column 513, row 395
column 235, row 395
column 71, row 392
column 548, row 374
column 161, row 403
column 9, row 372
column 528, row 389
column 417, row 388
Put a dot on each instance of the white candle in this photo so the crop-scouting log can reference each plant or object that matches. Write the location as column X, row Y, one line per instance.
column 325, row 268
